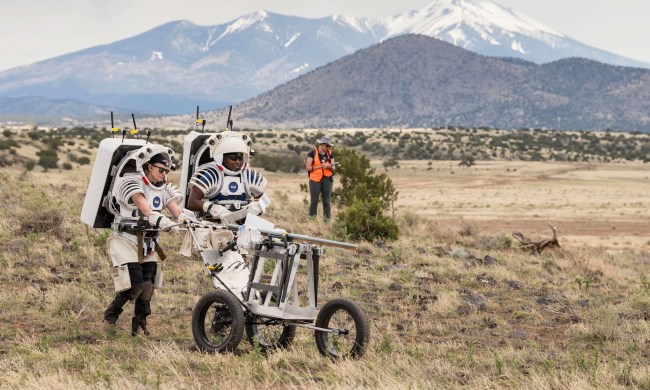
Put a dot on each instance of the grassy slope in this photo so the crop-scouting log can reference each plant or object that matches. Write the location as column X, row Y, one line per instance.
column 439, row 317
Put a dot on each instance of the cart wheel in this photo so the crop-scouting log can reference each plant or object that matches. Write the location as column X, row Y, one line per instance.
column 218, row 322
column 269, row 336
column 352, row 323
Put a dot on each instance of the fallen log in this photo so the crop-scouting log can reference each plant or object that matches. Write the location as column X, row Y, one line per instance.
column 537, row 246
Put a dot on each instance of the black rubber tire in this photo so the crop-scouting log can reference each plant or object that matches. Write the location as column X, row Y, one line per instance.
column 225, row 327
column 342, row 314
column 268, row 337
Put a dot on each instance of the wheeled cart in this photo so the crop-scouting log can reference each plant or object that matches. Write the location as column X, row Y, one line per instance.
column 281, row 296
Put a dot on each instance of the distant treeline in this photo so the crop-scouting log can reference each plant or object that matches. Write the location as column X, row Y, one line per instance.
column 286, row 151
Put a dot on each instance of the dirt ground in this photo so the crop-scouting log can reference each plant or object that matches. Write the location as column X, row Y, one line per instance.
column 590, row 204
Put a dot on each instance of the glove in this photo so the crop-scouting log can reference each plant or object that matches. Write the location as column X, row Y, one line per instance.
column 255, row 208
column 186, row 217
column 158, row 220
column 256, row 182
column 216, row 211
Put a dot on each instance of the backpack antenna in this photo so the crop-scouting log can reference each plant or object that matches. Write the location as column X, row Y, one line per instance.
column 199, row 120
column 134, row 131
column 113, row 128
column 229, row 121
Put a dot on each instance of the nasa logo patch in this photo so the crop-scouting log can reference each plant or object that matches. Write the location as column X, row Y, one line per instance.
column 156, row 202
column 232, row 187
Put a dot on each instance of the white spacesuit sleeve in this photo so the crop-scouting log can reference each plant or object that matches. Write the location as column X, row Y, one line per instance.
column 207, row 179
column 172, row 193
column 128, row 187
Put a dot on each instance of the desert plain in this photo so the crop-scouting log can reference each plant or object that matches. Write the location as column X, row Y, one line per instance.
column 593, row 204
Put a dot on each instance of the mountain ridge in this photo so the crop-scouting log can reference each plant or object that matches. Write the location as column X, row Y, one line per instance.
column 179, row 64
column 418, row 81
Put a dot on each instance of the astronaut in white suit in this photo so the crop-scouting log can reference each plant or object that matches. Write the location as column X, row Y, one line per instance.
column 141, row 194
column 225, row 190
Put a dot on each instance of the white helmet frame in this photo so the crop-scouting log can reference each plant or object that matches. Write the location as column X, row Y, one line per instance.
column 145, row 153
column 229, row 142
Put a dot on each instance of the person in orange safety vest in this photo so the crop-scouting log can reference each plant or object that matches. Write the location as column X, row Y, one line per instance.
column 320, row 167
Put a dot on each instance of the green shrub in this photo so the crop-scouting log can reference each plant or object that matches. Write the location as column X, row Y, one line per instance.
column 48, row 158
column 391, row 163
column 83, row 160
column 53, row 143
column 283, row 163
column 30, row 164
column 67, row 166
column 358, row 180
column 176, row 146
column 8, row 143
column 365, row 220
column 366, row 196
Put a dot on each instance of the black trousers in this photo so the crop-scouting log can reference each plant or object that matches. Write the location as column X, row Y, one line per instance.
column 142, row 276
column 324, row 189
column 140, row 272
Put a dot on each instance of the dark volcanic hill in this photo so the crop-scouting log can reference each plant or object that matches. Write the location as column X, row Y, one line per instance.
column 418, row 81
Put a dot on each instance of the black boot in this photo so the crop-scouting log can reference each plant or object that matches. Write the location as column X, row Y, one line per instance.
column 139, row 321
column 114, row 310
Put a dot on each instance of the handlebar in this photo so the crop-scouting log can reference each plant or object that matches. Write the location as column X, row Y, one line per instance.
column 274, row 233
column 282, row 234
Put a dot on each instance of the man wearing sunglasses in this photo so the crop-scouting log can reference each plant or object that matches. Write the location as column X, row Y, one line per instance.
column 233, row 161
column 225, row 191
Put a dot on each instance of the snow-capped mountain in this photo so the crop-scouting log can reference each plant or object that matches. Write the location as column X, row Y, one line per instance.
column 487, row 28
column 176, row 66
column 180, row 64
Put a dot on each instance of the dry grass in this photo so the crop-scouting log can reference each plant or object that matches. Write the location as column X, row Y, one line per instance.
column 442, row 314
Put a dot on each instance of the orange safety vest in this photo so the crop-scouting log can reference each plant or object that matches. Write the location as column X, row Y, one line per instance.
column 317, row 174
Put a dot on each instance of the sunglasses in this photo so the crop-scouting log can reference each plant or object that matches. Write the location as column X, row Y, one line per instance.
column 234, row 157
column 162, row 170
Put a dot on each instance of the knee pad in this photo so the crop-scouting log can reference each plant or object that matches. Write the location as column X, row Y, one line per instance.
column 142, row 308
column 147, row 291
column 136, row 291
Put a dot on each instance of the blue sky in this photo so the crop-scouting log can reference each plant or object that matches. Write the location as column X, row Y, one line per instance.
column 33, row 30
